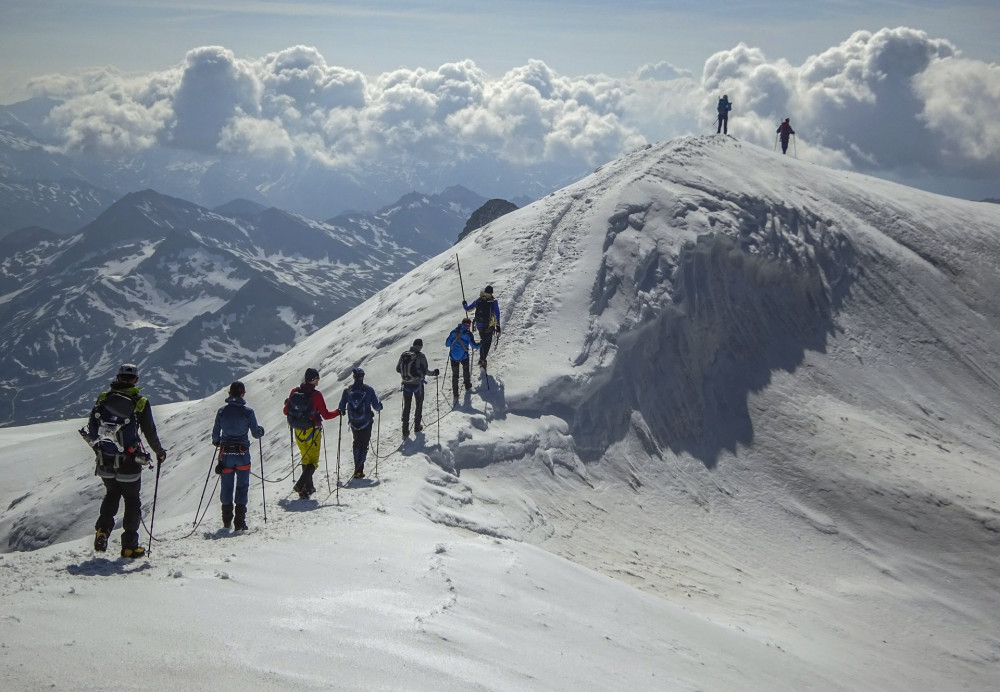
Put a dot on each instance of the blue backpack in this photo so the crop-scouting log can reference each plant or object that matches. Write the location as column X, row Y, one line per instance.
column 357, row 411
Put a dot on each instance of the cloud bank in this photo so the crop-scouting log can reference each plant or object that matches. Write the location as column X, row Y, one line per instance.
column 893, row 101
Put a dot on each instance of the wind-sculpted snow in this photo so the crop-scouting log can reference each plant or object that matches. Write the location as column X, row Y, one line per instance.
column 712, row 319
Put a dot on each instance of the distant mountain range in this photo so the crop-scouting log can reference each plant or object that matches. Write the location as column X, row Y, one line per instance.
column 197, row 297
column 32, row 155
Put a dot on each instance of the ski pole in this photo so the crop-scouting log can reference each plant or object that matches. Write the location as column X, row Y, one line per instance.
column 378, row 433
column 340, row 432
column 437, row 396
column 152, row 514
column 460, row 282
column 217, row 451
column 291, row 453
column 776, row 142
column 263, row 499
column 326, row 465
column 795, row 152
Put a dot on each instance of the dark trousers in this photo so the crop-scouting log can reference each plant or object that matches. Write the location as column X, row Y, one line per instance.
column 408, row 397
column 465, row 372
column 117, row 491
column 362, row 438
column 485, row 343
column 784, row 145
column 723, row 123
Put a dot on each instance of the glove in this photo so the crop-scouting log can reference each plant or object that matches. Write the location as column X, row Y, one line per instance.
column 218, row 468
column 436, row 372
column 160, row 456
column 465, row 306
column 260, row 431
column 216, row 443
column 498, row 331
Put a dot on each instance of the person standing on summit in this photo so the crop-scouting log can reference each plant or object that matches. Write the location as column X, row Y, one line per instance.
column 723, row 108
column 784, row 132
column 486, row 321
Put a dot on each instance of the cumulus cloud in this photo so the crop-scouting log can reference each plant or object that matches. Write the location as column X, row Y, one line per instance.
column 961, row 100
column 661, row 70
column 891, row 100
column 214, row 88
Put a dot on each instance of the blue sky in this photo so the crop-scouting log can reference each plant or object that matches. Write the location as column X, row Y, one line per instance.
column 572, row 37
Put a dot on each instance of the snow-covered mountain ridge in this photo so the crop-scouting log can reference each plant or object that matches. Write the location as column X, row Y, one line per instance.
column 760, row 391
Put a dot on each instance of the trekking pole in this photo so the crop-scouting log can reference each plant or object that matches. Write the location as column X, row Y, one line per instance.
column 775, row 141
column 217, row 451
column 340, row 432
column 263, row 499
column 326, row 465
column 795, row 152
column 378, row 433
column 437, row 396
column 291, row 453
column 152, row 514
column 460, row 282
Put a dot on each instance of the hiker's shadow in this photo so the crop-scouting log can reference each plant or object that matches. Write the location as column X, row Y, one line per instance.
column 491, row 391
column 104, row 567
column 297, row 504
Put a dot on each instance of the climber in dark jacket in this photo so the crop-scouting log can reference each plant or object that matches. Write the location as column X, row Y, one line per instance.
column 120, row 458
column 784, row 132
column 487, row 321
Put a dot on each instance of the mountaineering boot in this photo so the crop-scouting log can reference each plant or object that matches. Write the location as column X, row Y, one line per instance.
column 417, row 427
column 134, row 553
column 406, row 430
column 305, row 486
column 241, row 518
column 227, row 515
column 101, row 541
column 359, row 472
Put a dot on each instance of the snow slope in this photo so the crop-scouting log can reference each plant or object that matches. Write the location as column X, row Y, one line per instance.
column 739, row 433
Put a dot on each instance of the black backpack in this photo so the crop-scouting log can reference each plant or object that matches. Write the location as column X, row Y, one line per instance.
column 408, row 368
column 484, row 313
column 114, row 427
column 301, row 415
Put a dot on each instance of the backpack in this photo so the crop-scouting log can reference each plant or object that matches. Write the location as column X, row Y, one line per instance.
column 116, row 426
column 484, row 314
column 356, row 410
column 301, row 415
column 408, row 368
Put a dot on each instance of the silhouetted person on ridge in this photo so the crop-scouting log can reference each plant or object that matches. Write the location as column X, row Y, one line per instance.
column 723, row 108
column 784, row 132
